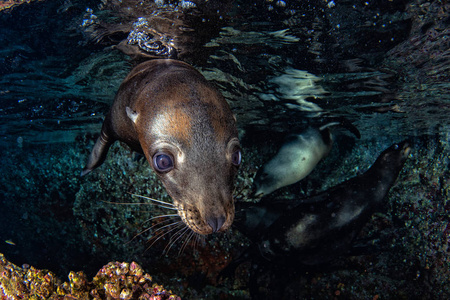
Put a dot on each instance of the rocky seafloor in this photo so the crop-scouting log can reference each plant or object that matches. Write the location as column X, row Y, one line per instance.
column 61, row 222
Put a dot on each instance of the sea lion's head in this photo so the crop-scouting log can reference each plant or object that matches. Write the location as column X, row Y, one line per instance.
column 391, row 161
column 192, row 144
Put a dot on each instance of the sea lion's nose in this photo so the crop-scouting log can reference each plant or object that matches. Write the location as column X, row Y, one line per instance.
column 216, row 222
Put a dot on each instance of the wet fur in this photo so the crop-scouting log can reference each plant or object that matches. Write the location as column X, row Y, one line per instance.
column 298, row 156
column 167, row 106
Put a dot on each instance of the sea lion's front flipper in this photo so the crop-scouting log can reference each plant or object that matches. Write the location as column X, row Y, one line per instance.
column 98, row 153
column 343, row 122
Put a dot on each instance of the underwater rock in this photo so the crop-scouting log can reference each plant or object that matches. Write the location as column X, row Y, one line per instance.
column 114, row 281
column 423, row 63
column 424, row 54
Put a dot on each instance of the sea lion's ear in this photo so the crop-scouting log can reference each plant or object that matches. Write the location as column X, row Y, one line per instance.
column 131, row 114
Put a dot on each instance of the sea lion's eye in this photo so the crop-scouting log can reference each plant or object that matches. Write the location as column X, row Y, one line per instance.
column 236, row 158
column 162, row 162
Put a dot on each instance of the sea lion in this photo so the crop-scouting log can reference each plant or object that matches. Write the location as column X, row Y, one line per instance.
column 325, row 228
column 312, row 232
column 297, row 157
column 168, row 111
column 319, row 228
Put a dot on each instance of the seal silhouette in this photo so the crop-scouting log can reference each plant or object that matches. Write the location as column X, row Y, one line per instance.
column 167, row 110
column 297, row 157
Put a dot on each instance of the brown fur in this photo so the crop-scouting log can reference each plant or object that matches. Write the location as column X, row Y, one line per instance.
column 167, row 106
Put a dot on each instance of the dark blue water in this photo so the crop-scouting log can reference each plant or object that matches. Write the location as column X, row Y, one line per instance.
column 281, row 65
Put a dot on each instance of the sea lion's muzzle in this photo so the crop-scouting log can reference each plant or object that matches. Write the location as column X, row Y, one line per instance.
column 206, row 223
column 205, row 201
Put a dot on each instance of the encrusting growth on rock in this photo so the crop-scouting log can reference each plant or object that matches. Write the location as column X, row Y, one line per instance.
column 113, row 281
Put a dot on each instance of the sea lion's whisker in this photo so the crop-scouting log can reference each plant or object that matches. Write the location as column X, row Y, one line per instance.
column 162, row 224
column 161, row 216
column 162, row 235
column 179, row 234
column 187, row 237
column 194, row 242
column 125, row 203
column 151, row 227
column 140, row 203
column 154, row 200
column 197, row 237
column 200, row 239
column 186, row 242
column 165, row 226
column 167, row 207
column 194, row 234
column 154, row 225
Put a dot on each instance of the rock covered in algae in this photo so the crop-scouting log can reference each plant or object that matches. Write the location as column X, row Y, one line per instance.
column 114, row 281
